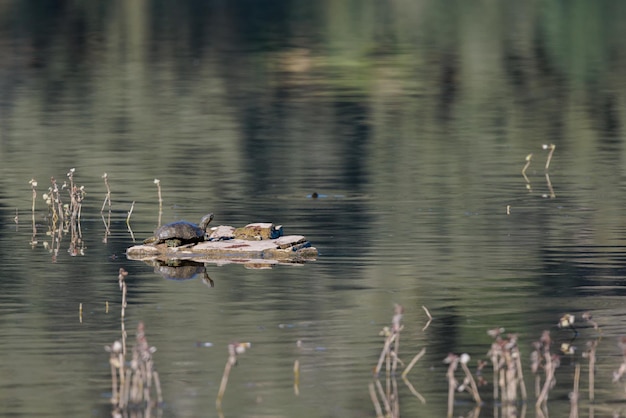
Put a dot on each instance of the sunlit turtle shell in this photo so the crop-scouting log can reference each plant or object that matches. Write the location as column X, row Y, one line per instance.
column 181, row 232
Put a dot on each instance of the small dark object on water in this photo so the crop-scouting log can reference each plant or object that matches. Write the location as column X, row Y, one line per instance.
column 179, row 233
column 314, row 195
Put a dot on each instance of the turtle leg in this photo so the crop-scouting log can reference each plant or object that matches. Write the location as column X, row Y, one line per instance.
column 174, row 242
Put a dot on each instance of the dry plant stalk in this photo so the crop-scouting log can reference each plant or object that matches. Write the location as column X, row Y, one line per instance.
column 552, row 147
column 107, row 197
column 507, row 368
column 412, row 363
column 234, row 349
column 529, row 157
column 158, row 185
column 130, row 212
column 430, row 318
column 296, row 377
column 617, row 375
column 121, row 278
column 574, row 395
column 135, row 383
column 391, row 335
column 543, row 358
column 590, row 354
column 389, row 356
column 122, row 282
column 375, row 401
column 33, row 185
column 453, row 361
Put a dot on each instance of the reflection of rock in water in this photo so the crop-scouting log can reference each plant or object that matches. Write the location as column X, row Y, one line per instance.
column 181, row 270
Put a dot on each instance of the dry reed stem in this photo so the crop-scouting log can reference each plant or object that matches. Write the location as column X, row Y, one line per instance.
column 574, row 395
column 550, row 367
column 107, row 197
column 496, row 371
column 591, row 354
column 233, row 349
column 158, row 184
column 382, row 395
column 473, row 387
column 520, row 374
column 375, row 401
column 552, row 147
column 130, row 212
column 296, row 377
column 550, row 188
column 412, row 363
column 383, row 354
column 452, row 382
column 413, row 390
column 430, row 318
column 529, row 157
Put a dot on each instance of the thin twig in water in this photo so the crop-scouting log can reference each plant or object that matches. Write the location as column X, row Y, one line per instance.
column 529, row 157
column 552, row 147
column 413, row 390
column 430, row 318
column 412, row 363
column 107, row 198
column 233, row 350
column 573, row 396
column 158, row 184
column 296, row 377
column 375, row 401
column 130, row 212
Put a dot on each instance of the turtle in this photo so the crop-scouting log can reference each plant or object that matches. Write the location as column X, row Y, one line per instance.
column 179, row 233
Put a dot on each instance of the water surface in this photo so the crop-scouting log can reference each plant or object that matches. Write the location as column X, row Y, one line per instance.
column 410, row 120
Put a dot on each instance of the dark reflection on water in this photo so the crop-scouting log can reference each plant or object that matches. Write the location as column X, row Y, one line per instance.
column 410, row 121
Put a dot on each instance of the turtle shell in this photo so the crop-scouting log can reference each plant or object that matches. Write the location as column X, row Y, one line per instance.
column 183, row 230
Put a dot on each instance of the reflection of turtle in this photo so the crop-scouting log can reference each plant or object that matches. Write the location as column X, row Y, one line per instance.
column 181, row 270
column 181, row 232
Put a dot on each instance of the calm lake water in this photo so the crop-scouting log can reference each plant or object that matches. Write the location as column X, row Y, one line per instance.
column 412, row 120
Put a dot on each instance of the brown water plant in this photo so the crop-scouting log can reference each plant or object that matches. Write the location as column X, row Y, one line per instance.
column 387, row 397
column 617, row 375
column 544, row 359
column 158, row 185
column 508, row 377
column 134, row 385
column 107, row 199
column 234, row 349
column 551, row 147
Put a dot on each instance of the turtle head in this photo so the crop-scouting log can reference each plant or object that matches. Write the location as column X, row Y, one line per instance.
column 205, row 221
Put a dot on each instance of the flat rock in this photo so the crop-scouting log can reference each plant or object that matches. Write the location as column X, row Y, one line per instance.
column 226, row 246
